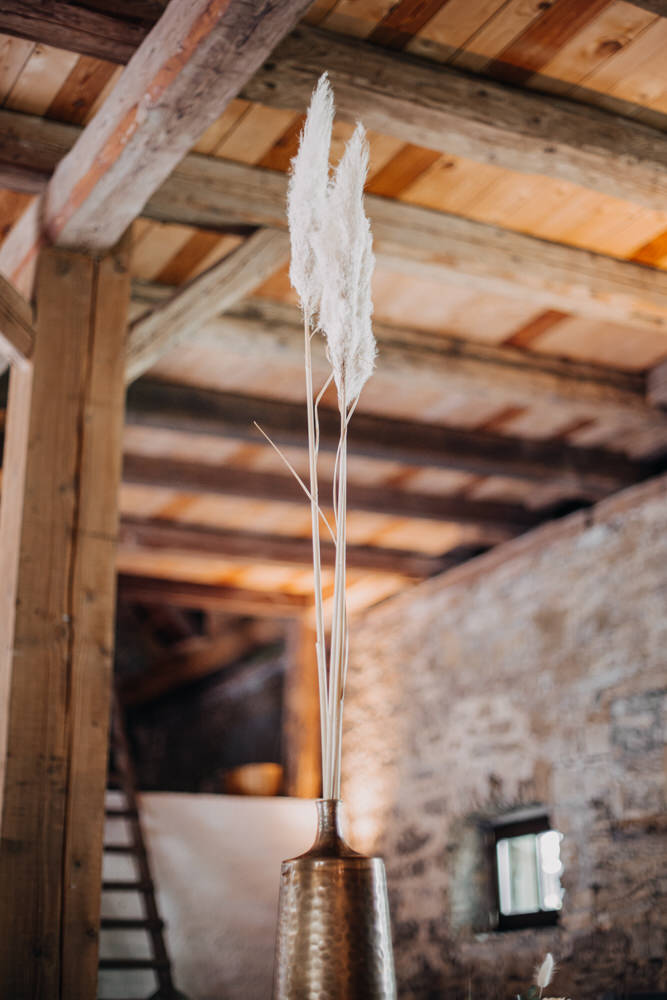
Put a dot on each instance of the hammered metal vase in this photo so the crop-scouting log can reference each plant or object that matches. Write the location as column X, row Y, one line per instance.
column 334, row 936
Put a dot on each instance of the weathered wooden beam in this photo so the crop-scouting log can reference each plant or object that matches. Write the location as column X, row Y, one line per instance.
column 56, row 660
column 301, row 726
column 160, row 535
column 191, row 64
column 215, row 194
column 212, row 292
column 210, row 597
column 96, row 33
column 198, row 657
column 197, row 477
column 588, row 472
column 205, row 191
column 424, row 104
column 444, row 109
column 17, row 336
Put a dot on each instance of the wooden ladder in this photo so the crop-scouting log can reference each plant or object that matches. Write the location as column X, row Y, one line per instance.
column 122, row 779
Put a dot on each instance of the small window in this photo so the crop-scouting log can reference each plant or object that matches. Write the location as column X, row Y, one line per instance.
column 528, row 870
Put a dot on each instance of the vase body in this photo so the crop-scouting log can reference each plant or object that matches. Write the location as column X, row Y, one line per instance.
column 334, row 937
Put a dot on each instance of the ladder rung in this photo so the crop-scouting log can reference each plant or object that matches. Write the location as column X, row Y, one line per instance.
column 130, row 924
column 132, row 963
column 127, row 887
column 121, row 849
column 121, row 813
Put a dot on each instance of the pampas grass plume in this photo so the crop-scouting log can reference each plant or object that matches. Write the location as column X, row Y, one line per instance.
column 545, row 971
column 307, row 193
column 344, row 251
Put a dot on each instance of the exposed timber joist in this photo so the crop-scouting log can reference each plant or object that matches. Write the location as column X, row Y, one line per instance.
column 215, row 194
column 202, row 299
column 196, row 477
column 444, row 109
column 210, row 597
column 17, row 336
column 589, row 472
column 170, row 536
column 190, row 65
column 424, row 104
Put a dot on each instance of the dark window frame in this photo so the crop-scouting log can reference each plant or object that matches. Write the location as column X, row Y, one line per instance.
column 503, row 829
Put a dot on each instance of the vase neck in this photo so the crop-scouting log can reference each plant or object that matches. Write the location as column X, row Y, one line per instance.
column 329, row 841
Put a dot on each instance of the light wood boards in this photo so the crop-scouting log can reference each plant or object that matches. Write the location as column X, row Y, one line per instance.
column 443, row 109
column 64, row 513
column 159, row 535
column 205, row 191
column 586, row 471
column 180, row 78
column 17, row 336
column 213, row 292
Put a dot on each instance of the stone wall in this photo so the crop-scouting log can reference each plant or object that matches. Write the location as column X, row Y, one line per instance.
column 533, row 676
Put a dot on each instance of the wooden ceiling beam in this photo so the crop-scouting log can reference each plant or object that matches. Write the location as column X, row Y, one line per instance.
column 211, row 193
column 212, row 292
column 197, row 477
column 587, row 472
column 179, row 80
column 457, row 113
column 210, row 597
column 421, row 103
column 17, row 335
column 158, row 535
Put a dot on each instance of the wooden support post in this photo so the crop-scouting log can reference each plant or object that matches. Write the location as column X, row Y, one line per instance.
column 59, row 510
column 301, row 727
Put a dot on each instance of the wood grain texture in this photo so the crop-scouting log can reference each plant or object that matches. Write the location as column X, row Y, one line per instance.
column 161, row 535
column 588, row 472
column 17, row 335
column 408, row 239
column 442, row 109
column 55, row 766
column 403, row 21
column 211, row 293
column 96, row 33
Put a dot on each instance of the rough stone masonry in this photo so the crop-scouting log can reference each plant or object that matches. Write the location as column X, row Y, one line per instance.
column 533, row 676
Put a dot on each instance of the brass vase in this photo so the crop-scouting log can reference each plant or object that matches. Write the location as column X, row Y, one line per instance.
column 334, row 937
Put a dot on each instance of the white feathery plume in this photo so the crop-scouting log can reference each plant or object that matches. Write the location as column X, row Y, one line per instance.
column 306, row 195
column 544, row 973
column 344, row 250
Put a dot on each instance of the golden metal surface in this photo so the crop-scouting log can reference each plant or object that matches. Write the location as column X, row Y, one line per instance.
column 334, row 936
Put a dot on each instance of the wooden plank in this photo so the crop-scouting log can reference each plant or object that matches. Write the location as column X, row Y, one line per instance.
column 56, row 750
column 17, row 336
column 209, row 597
column 443, row 109
column 80, row 29
column 212, row 292
column 197, row 477
column 192, row 63
column 173, row 536
column 301, row 726
column 214, row 194
column 206, row 192
column 656, row 386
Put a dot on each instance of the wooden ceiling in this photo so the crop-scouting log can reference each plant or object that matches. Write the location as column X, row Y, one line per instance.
column 520, row 293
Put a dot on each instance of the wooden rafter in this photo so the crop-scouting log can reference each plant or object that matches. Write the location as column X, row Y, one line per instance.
column 423, row 104
column 17, row 336
column 200, row 300
column 212, row 193
column 209, row 597
column 158, row 535
column 191, row 64
column 196, row 477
